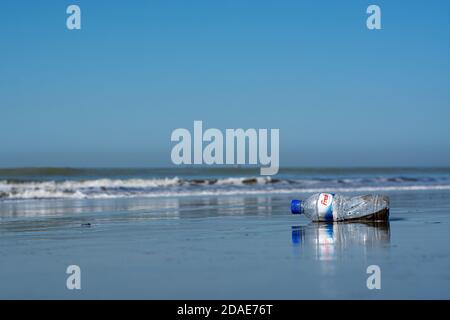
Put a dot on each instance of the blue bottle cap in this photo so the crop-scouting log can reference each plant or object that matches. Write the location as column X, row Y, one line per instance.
column 296, row 206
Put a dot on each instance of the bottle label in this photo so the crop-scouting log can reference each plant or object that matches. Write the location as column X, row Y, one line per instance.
column 325, row 206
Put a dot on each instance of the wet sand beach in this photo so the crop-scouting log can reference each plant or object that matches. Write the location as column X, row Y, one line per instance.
column 221, row 247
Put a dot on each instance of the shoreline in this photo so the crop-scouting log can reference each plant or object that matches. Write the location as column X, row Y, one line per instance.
column 240, row 248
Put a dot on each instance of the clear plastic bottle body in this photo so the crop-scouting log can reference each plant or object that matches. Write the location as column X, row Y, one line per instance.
column 336, row 207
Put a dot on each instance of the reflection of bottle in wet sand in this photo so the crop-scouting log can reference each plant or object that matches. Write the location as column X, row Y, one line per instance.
column 327, row 239
column 336, row 207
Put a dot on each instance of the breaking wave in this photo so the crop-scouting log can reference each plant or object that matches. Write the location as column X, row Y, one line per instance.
column 170, row 187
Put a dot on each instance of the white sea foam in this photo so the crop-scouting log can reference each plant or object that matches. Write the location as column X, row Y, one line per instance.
column 281, row 191
column 175, row 187
column 97, row 183
column 242, row 181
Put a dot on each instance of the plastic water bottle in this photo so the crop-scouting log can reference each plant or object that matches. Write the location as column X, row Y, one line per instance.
column 336, row 207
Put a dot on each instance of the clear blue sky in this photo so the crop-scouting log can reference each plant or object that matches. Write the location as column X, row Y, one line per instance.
column 111, row 93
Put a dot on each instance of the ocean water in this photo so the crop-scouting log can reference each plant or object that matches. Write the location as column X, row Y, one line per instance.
column 188, row 233
column 66, row 183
